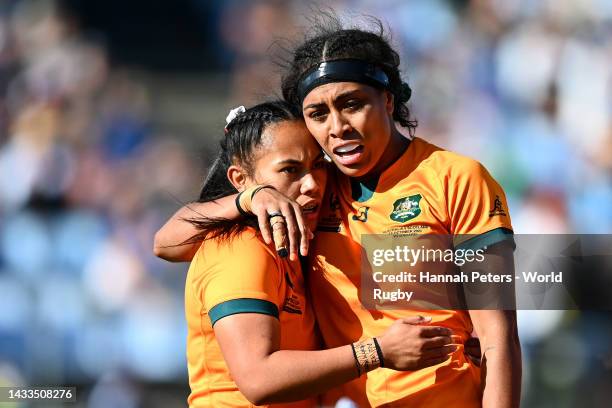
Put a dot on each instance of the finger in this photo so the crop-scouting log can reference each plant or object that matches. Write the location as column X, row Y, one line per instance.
column 436, row 342
column 435, row 331
column 302, row 228
column 440, row 352
column 279, row 234
column 433, row 361
column 417, row 319
column 292, row 230
column 264, row 225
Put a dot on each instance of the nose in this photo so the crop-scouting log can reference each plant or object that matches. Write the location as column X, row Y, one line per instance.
column 311, row 185
column 339, row 125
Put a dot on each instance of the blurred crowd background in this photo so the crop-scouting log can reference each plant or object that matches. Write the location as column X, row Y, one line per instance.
column 110, row 112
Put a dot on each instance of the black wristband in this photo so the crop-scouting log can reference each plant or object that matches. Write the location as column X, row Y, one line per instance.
column 356, row 360
column 379, row 352
column 258, row 189
column 240, row 209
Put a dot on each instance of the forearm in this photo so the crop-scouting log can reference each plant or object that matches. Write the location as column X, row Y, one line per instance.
column 289, row 375
column 502, row 372
column 264, row 374
column 169, row 241
column 501, row 365
column 498, row 333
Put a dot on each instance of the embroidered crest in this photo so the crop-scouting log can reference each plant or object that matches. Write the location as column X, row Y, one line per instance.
column 406, row 208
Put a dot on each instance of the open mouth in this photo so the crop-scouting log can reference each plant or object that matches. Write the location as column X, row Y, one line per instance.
column 349, row 148
column 348, row 153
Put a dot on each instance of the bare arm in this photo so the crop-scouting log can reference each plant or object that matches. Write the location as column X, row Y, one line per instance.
column 499, row 341
column 501, row 357
column 265, row 374
column 168, row 240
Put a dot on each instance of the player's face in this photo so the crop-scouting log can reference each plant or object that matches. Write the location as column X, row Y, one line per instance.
column 352, row 122
column 290, row 160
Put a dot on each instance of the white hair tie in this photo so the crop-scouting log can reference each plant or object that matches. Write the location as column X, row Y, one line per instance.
column 233, row 114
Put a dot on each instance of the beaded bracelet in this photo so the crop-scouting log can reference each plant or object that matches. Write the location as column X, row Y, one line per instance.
column 379, row 352
column 367, row 355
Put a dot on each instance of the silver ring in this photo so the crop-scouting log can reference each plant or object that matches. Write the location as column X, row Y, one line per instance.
column 275, row 214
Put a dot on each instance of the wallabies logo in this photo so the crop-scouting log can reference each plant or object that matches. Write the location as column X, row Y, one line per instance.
column 498, row 208
column 406, row 208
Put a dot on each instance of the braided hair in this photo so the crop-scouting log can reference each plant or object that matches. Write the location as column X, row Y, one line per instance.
column 243, row 135
column 328, row 41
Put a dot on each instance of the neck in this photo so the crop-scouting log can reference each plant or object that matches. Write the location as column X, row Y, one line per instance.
column 397, row 145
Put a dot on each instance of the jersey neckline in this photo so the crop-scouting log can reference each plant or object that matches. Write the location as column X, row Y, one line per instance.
column 364, row 191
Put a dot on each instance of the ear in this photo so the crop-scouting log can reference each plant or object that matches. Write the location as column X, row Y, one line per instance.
column 389, row 102
column 237, row 176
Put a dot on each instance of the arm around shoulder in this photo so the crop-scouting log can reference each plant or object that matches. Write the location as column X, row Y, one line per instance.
column 170, row 241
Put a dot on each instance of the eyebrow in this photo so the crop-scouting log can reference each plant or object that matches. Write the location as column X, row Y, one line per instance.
column 289, row 161
column 343, row 95
column 295, row 161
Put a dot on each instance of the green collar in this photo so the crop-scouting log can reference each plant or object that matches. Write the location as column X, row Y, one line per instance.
column 363, row 191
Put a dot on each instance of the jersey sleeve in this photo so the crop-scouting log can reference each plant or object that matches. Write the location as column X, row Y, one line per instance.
column 477, row 206
column 238, row 276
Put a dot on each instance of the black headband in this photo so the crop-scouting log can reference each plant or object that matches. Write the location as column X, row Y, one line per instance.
column 347, row 70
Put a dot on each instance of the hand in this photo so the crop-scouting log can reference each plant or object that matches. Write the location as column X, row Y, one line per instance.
column 269, row 201
column 410, row 345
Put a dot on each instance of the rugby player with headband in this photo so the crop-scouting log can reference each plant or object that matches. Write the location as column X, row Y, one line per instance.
column 350, row 70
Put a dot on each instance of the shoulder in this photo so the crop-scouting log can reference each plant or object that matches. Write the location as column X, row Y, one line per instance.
column 435, row 156
column 446, row 163
column 246, row 245
column 241, row 267
column 230, row 257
